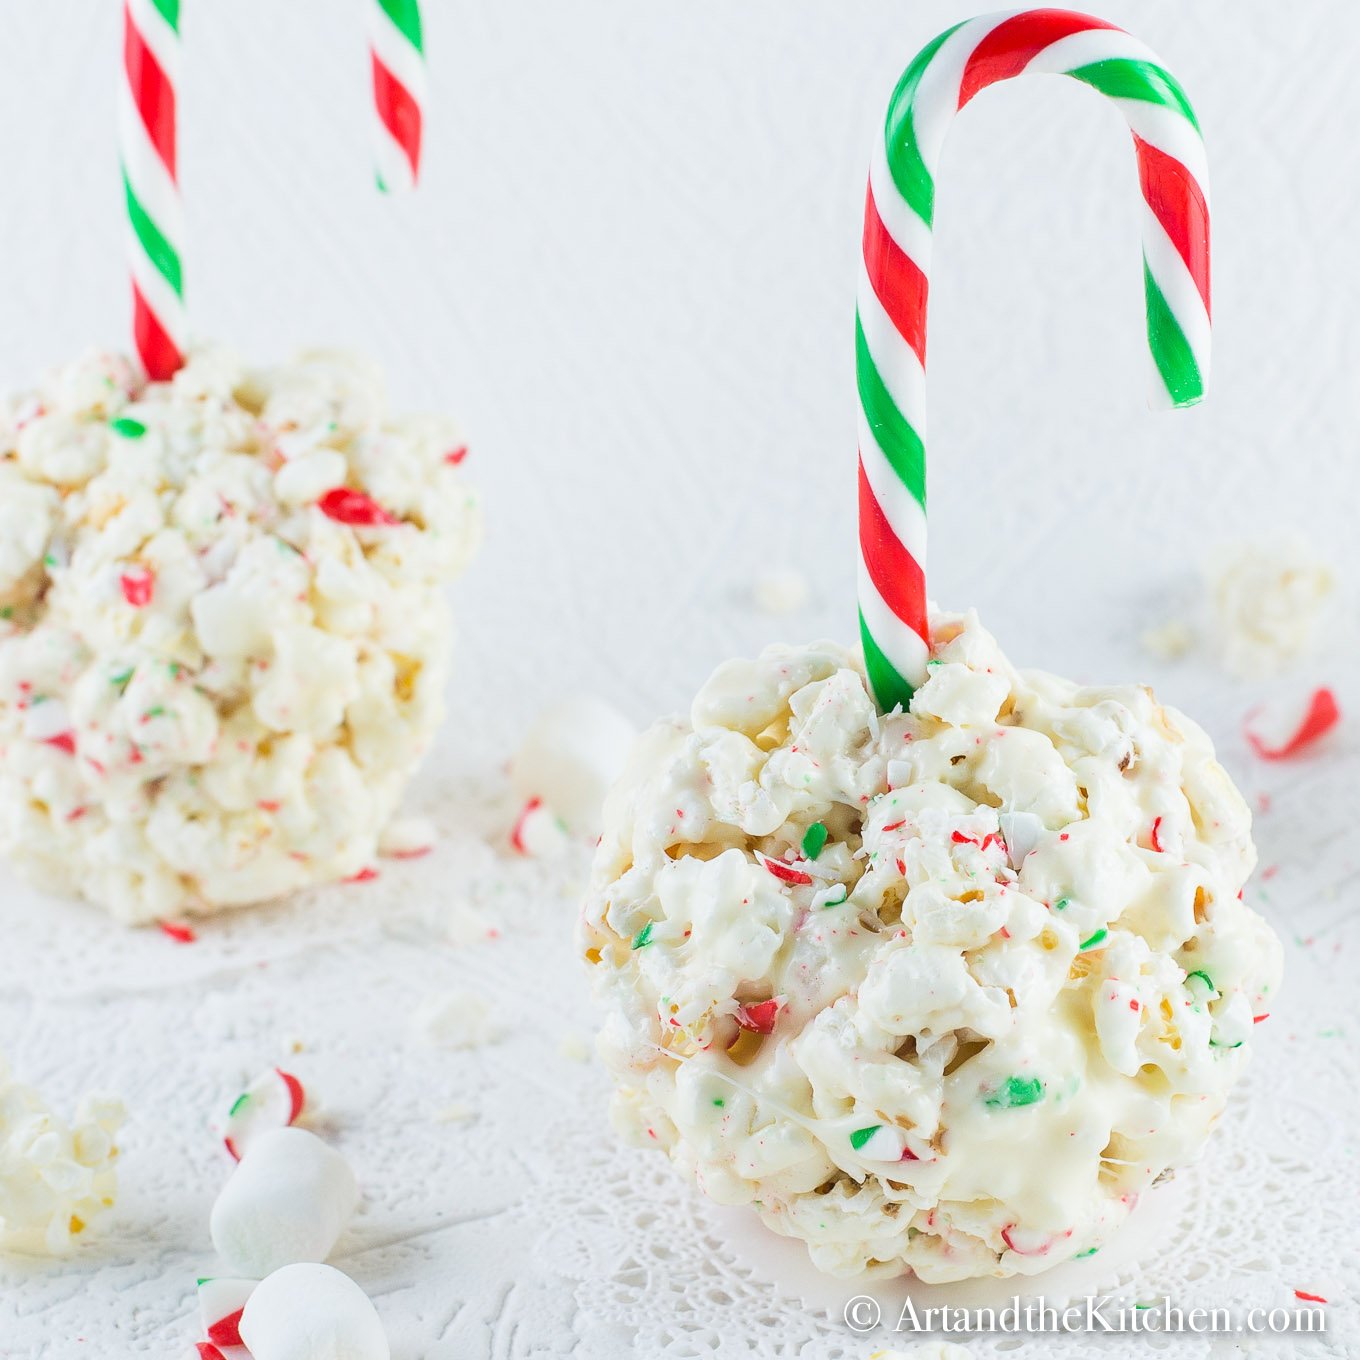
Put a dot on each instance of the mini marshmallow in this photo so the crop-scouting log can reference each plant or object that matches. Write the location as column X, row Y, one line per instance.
column 312, row 1312
column 571, row 756
column 288, row 1200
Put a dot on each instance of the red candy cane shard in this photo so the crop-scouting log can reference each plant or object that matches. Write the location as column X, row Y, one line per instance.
column 148, row 146
column 274, row 1100
column 397, row 54
column 894, row 282
column 1282, row 730
column 220, row 1305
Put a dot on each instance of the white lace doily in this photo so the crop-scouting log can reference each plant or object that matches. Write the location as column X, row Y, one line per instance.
column 501, row 1218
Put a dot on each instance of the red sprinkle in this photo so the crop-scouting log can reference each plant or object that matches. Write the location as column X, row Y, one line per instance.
column 1256, row 1019
column 893, row 826
column 1156, row 839
column 178, row 931
column 227, row 1331
column 138, row 587
column 785, row 873
column 456, row 456
column 517, row 833
column 365, row 875
column 759, row 1018
column 419, row 852
column 960, row 839
column 268, row 805
column 347, row 506
column 1309, row 1298
column 63, row 741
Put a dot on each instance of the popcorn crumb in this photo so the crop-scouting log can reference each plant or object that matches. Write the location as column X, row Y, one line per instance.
column 454, row 1114
column 780, row 590
column 1169, row 641
column 457, row 1020
column 1266, row 602
column 574, row 1048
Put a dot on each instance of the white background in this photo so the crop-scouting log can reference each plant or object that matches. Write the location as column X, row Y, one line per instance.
column 630, row 270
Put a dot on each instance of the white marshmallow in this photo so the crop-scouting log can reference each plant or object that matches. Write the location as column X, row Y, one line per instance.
column 288, row 1200
column 571, row 757
column 312, row 1312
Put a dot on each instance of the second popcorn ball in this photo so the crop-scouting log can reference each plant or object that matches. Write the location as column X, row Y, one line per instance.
column 223, row 632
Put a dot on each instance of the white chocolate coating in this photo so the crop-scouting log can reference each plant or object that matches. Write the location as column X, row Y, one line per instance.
column 55, row 1179
column 213, row 685
column 1011, row 990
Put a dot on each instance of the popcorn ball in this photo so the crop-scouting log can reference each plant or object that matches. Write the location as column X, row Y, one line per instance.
column 942, row 991
column 55, row 1179
column 223, row 637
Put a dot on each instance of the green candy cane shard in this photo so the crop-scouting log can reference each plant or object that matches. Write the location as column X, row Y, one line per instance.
column 1090, row 1251
column 814, row 840
column 644, row 936
column 127, row 427
column 1203, row 977
column 1091, row 941
column 1017, row 1091
column 861, row 1136
column 237, row 1104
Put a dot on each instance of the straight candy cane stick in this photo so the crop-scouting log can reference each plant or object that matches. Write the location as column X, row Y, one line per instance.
column 148, row 146
column 397, row 51
column 894, row 282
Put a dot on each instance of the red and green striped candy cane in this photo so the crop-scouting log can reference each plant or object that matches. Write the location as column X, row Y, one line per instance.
column 148, row 127
column 894, row 281
column 397, row 50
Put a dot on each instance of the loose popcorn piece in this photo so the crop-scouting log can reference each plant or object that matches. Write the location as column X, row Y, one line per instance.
column 55, row 1179
column 780, row 591
column 288, row 1199
column 274, row 1100
column 223, row 639
column 312, row 1312
column 942, row 991
column 457, row 1020
column 1266, row 602
column 569, row 759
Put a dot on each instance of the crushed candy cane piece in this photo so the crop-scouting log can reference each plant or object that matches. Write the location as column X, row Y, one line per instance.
column 347, row 506
column 179, row 931
column 759, row 1018
column 538, row 832
column 220, row 1301
column 1284, row 729
column 274, row 1100
column 407, row 838
column 785, row 873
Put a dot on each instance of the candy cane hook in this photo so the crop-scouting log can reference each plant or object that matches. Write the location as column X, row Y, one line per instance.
column 148, row 136
column 894, row 282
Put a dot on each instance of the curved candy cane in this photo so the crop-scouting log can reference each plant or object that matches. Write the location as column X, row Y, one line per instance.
column 894, row 282
column 148, row 147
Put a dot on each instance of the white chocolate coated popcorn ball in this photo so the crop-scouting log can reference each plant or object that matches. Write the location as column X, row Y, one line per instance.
column 56, row 1178
column 223, row 634
column 942, row 991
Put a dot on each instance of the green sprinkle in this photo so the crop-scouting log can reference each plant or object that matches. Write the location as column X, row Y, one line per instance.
column 1203, row 977
column 49, row 560
column 719, row 1101
column 123, row 677
column 237, row 1103
column 934, row 661
column 1213, row 1043
column 814, row 840
column 204, row 1279
column 1016, row 1092
column 644, row 936
column 1090, row 1251
column 862, row 1136
column 127, row 427
column 837, row 901
column 1062, row 904
column 1092, row 940
column 156, row 712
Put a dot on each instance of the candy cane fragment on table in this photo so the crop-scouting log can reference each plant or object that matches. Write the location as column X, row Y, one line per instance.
column 148, row 145
column 397, row 53
column 892, row 295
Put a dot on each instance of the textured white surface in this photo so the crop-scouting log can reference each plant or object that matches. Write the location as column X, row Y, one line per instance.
column 629, row 273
